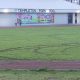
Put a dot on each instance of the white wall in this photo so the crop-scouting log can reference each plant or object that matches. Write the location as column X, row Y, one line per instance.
column 7, row 19
column 10, row 19
column 60, row 18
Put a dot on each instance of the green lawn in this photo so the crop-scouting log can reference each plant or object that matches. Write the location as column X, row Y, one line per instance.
column 42, row 43
column 34, row 75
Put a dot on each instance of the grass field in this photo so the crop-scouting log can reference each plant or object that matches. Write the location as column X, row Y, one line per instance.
column 40, row 43
column 42, row 75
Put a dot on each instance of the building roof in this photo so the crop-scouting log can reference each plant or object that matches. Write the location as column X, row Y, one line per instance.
column 38, row 4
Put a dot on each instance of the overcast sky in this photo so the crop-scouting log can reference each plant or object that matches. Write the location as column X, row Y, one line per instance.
column 36, row 4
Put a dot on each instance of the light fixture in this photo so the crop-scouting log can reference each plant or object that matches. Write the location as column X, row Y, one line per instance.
column 47, row 11
column 5, row 10
column 75, row 1
column 78, row 11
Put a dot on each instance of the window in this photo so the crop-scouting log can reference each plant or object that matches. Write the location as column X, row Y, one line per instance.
column 70, row 18
column 75, row 18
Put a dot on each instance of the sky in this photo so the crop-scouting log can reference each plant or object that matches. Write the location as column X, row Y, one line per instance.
column 45, row 4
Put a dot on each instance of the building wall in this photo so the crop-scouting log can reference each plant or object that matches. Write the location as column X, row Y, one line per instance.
column 60, row 18
column 57, row 18
column 7, row 19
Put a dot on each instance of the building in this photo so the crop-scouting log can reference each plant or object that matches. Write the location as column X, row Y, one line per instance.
column 38, row 12
column 74, row 1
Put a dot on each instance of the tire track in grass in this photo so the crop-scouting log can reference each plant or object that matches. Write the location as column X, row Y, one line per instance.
column 38, row 49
